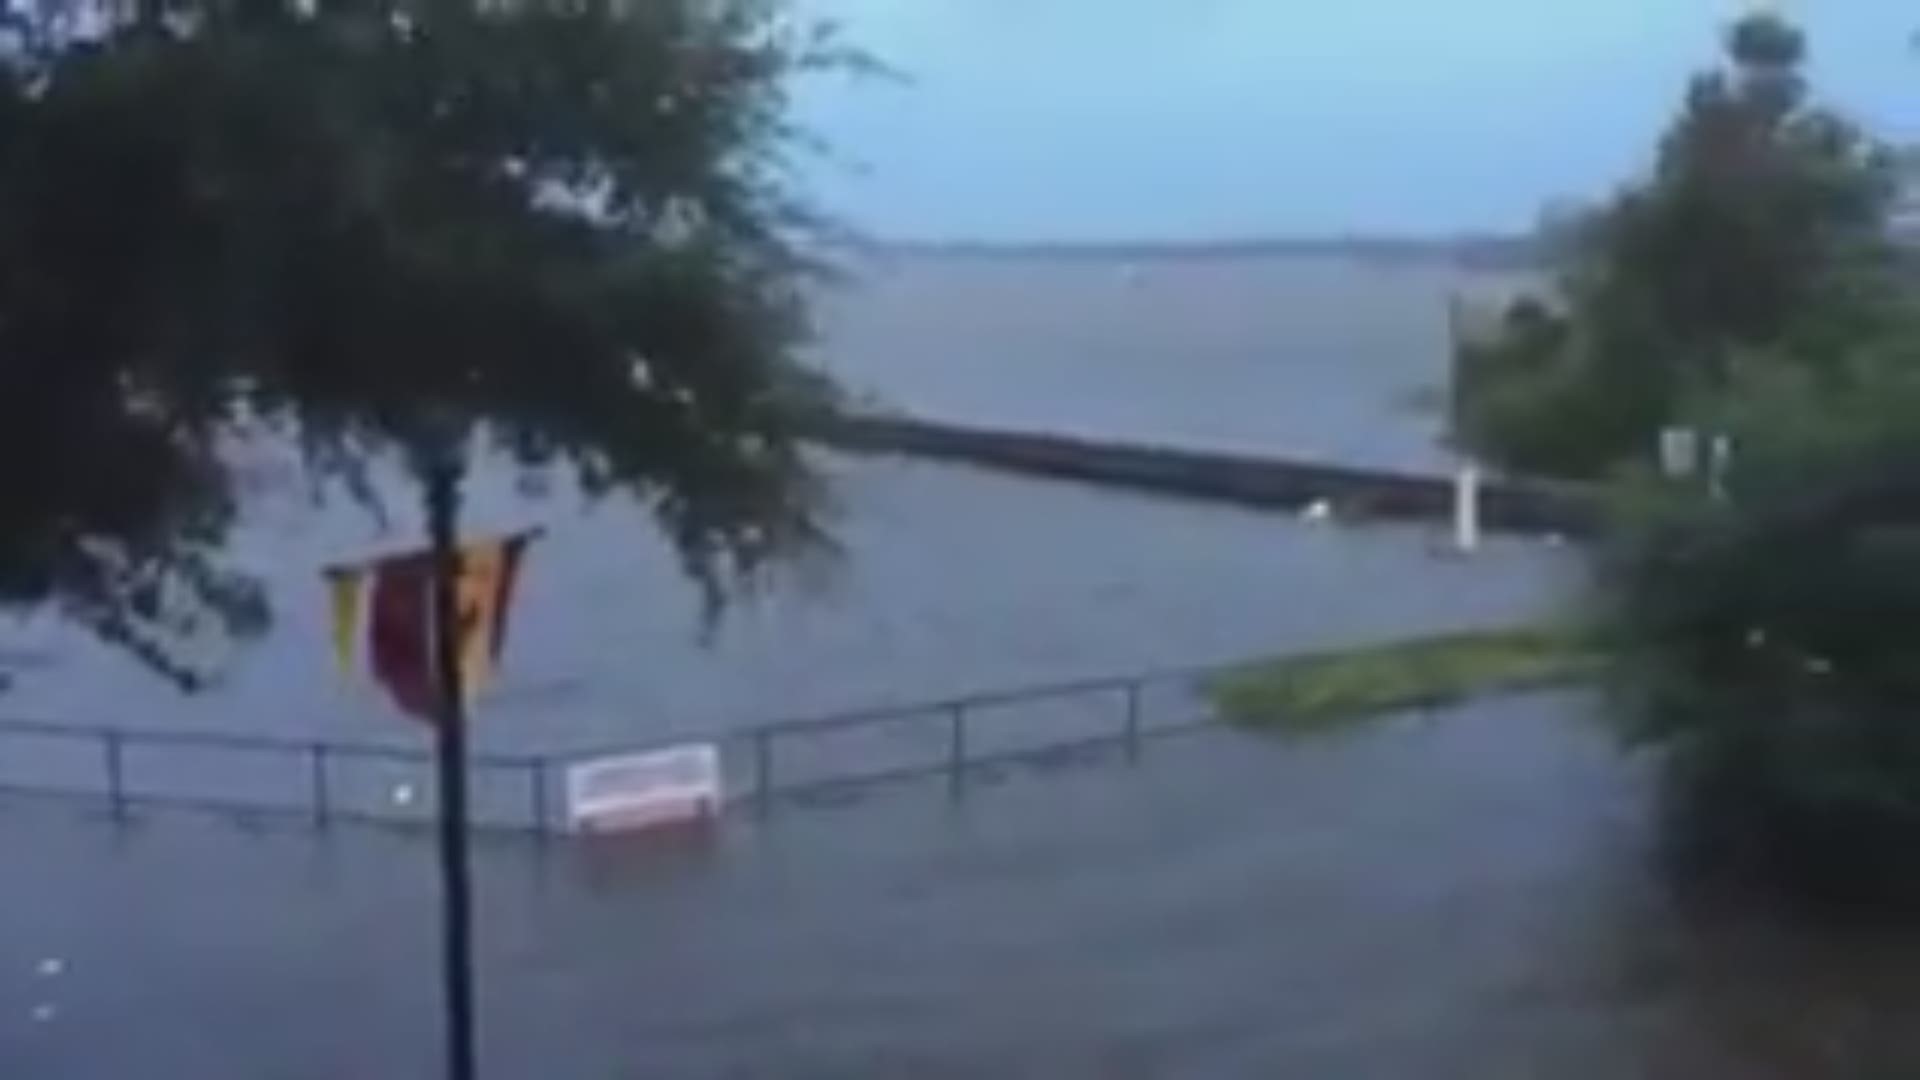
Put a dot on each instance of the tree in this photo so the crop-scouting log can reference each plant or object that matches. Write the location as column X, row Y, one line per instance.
column 1763, row 227
column 559, row 227
column 1765, row 655
column 1762, row 634
column 562, row 228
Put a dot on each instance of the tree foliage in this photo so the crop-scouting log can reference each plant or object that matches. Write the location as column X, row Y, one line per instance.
column 1765, row 650
column 563, row 227
column 1762, row 227
column 1763, row 631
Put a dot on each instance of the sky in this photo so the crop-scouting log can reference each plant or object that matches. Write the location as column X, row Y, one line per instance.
column 1021, row 120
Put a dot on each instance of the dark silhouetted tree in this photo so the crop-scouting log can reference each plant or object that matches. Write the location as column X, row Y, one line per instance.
column 563, row 230
column 1763, row 227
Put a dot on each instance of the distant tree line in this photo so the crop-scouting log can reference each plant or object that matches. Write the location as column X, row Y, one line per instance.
column 1480, row 250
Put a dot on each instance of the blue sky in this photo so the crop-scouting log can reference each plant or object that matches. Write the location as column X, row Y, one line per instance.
column 1123, row 119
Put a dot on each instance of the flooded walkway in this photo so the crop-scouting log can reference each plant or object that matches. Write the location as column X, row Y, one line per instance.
column 1470, row 895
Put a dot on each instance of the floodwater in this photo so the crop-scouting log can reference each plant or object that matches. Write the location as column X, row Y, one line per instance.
column 1331, row 358
column 949, row 580
column 1473, row 895
column 1470, row 895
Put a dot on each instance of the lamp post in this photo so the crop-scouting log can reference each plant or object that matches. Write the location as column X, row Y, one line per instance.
column 442, row 475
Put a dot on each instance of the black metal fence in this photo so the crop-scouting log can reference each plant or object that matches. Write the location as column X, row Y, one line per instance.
column 960, row 738
column 320, row 780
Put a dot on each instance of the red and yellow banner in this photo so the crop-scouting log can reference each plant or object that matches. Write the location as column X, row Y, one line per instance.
column 396, row 596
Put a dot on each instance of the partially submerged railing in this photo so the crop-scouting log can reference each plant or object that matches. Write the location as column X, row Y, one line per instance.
column 961, row 738
column 325, row 781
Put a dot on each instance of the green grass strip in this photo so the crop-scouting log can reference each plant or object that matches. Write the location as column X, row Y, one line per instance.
column 1304, row 694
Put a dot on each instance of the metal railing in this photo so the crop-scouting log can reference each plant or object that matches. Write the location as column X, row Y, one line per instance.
column 325, row 781
column 964, row 736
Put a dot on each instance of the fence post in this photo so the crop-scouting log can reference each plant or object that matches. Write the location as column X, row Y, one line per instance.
column 957, row 749
column 322, row 797
column 763, row 769
column 116, row 774
column 539, row 796
column 1133, row 720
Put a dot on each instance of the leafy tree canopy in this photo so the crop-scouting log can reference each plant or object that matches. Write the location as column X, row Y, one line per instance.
column 387, row 226
column 1764, row 647
column 1764, row 226
column 1762, row 633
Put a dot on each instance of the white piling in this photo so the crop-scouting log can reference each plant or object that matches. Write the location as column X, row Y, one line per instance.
column 1466, row 508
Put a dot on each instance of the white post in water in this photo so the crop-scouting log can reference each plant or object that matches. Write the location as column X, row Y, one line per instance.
column 1466, row 507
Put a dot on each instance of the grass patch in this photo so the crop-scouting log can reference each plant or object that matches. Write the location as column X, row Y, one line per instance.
column 1320, row 691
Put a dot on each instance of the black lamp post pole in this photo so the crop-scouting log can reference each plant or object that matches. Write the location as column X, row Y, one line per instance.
column 450, row 729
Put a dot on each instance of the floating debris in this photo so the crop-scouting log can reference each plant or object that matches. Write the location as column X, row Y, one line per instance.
column 50, row 968
column 44, row 1014
column 403, row 794
column 1317, row 510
